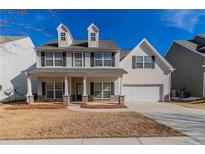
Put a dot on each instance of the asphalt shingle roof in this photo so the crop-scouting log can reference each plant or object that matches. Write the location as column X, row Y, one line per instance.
column 197, row 44
column 82, row 44
column 78, row 71
column 123, row 53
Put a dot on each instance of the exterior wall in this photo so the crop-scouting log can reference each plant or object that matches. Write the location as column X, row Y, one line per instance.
column 69, row 59
column 75, row 80
column 93, row 43
column 117, row 59
column 19, row 55
column 68, row 41
column 156, row 76
column 189, row 71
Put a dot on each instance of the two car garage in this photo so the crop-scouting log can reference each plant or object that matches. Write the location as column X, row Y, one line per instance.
column 143, row 93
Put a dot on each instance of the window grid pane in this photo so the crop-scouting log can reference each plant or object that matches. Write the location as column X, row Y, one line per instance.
column 139, row 61
column 50, row 90
column 148, row 62
column 102, row 89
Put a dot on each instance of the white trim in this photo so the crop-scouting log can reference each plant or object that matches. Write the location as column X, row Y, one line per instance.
column 103, row 60
column 102, row 83
column 92, row 24
column 54, row 59
column 81, row 59
column 54, row 90
column 156, row 53
column 61, row 24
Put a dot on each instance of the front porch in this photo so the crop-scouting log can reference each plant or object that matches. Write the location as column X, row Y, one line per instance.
column 73, row 89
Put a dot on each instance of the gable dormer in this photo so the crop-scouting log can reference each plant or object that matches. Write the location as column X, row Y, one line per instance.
column 93, row 36
column 65, row 38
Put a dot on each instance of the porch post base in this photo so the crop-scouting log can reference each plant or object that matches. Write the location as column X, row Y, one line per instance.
column 121, row 99
column 66, row 99
column 84, row 98
column 30, row 99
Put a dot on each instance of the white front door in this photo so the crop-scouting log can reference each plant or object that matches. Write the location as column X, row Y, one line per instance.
column 146, row 93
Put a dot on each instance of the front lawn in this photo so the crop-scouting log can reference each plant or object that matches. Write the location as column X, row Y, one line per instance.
column 196, row 104
column 193, row 105
column 61, row 123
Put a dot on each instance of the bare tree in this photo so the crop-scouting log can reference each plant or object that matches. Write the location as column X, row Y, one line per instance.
column 11, row 20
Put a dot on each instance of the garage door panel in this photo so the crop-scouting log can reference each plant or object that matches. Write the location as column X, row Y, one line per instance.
column 141, row 93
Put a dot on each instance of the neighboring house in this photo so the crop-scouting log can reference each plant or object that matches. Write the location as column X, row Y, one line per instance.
column 149, row 74
column 95, row 70
column 16, row 54
column 77, row 70
column 188, row 57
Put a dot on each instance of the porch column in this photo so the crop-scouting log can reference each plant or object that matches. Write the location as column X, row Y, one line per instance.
column 120, row 86
column 121, row 97
column 85, row 96
column 29, row 96
column 66, row 96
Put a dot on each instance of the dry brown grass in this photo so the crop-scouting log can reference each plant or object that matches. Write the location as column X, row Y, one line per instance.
column 61, row 123
column 193, row 105
column 103, row 105
column 35, row 106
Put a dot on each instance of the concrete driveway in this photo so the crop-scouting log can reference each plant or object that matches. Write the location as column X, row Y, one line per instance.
column 187, row 120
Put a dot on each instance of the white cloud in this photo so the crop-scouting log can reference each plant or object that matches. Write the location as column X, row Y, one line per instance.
column 183, row 19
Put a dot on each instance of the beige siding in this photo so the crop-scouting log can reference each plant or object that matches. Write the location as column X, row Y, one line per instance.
column 189, row 71
column 157, row 76
column 75, row 80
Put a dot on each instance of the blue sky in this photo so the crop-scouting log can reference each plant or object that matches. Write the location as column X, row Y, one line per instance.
column 125, row 27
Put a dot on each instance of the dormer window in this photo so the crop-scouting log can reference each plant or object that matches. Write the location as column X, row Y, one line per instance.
column 62, row 36
column 92, row 37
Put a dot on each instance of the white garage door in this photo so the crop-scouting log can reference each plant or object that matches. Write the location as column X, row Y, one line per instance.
column 141, row 93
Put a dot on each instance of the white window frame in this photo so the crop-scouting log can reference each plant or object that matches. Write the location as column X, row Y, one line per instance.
column 63, row 36
column 103, row 60
column 91, row 37
column 143, row 62
column 139, row 63
column 53, row 58
column 78, row 59
column 54, row 89
column 147, row 63
column 102, row 90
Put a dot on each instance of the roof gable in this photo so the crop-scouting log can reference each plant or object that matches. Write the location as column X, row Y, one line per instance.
column 93, row 27
column 63, row 27
column 153, row 50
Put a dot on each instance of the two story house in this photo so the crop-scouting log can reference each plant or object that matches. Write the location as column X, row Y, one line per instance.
column 94, row 70
column 77, row 70
column 188, row 57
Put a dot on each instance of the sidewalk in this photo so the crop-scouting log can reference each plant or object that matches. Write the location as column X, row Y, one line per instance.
column 107, row 141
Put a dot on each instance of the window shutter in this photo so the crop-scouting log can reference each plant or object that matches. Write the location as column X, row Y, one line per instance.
column 72, row 58
column 63, row 88
column 112, row 88
column 43, row 88
column 113, row 59
column 64, row 58
column 42, row 58
column 153, row 61
column 133, row 61
column 92, row 59
column 92, row 88
column 84, row 59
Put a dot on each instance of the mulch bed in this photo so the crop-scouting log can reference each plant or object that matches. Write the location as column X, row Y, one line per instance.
column 62, row 123
column 103, row 105
column 35, row 106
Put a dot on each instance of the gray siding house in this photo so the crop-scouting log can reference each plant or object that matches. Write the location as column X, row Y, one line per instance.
column 188, row 58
